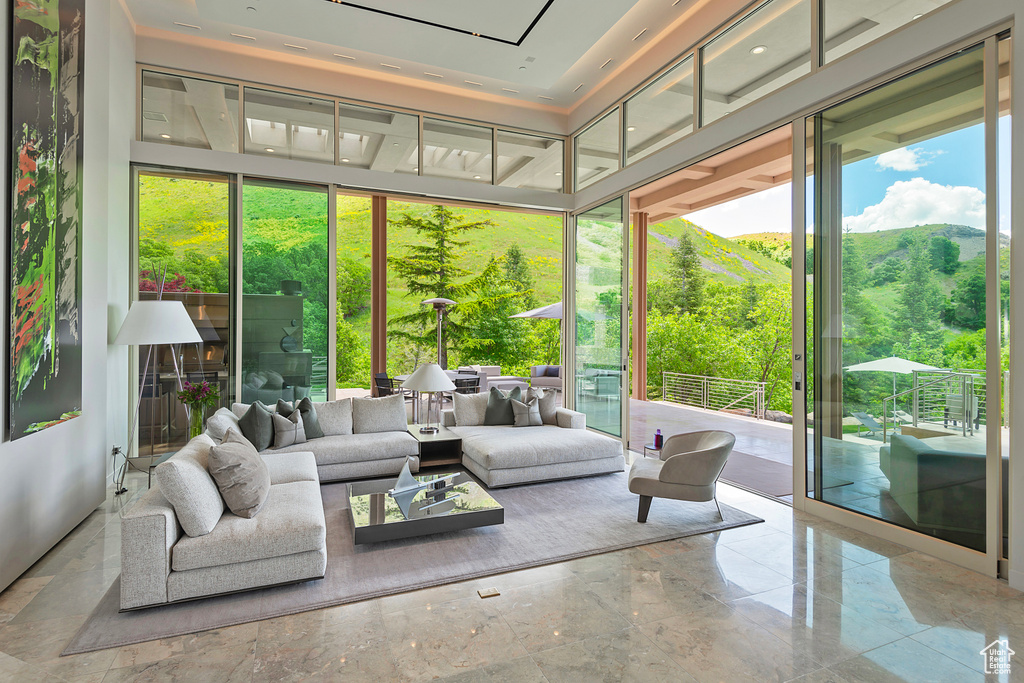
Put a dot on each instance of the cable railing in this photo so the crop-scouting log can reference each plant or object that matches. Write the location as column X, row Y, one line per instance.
column 951, row 399
column 713, row 393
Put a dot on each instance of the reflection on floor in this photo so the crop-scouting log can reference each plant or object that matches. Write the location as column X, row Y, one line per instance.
column 795, row 598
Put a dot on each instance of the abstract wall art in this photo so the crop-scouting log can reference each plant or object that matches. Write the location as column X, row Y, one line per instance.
column 47, row 73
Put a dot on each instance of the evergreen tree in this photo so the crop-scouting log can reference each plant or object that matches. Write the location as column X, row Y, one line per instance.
column 944, row 254
column 517, row 274
column 429, row 270
column 919, row 306
column 687, row 276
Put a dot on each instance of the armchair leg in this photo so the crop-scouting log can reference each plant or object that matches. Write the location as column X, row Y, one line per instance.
column 645, row 507
column 719, row 509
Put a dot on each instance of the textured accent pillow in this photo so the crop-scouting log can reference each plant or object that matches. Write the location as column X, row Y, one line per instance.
column 218, row 424
column 240, row 473
column 385, row 414
column 553, row 371
column 255, row 380
column 288, row 430
column 499, row 406
column 526, row 414
column 185, row 482
column 469, row 409
column 257, row 425
column 335, row 417
column 546, row 402
column 310, row 423
column 274, row 380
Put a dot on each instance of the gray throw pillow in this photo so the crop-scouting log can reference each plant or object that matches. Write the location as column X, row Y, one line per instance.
column 240, row 473
column 546, row 401
column 218, row 424
column 310, row 422
column 288, row 430
column 499, row 406
column 469, row 409
column 257, row 426
column 335, row 417
column 526, row 414
column 184, row 480
column 372, row 415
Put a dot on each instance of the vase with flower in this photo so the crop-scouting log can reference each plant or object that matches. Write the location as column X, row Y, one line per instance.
column 198, row 397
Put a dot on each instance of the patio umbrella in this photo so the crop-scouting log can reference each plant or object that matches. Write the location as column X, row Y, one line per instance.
column 893, row 364
column 552, row 311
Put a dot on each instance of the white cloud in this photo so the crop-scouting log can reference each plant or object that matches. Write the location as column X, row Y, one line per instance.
column 903, row 159
column 919, row 202
column 770, row 210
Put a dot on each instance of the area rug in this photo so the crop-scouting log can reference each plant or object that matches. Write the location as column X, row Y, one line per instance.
column 544, row 523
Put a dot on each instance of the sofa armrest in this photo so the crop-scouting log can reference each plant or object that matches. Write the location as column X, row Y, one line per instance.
column 148, row 532
column 570, row 419
column 448, row 418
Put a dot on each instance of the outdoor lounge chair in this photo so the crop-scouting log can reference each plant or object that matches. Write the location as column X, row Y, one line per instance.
column 866, row 420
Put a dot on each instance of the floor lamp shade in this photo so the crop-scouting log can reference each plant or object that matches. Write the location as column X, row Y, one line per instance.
column 429, row 378
column 157, row 322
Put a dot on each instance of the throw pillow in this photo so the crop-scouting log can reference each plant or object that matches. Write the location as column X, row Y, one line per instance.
column 553, row 371
column 335, row 417
column 526, row 414
column 499, row 406
column 469, row 409
column 274, row 380
column 241, row 474
column 385, row 414
column 546, row 401
column 288, row 430
column 257, row 426
column 185, row 482
column 218, row 424
column 310, row 422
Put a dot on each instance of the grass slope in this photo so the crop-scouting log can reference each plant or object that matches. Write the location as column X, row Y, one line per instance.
column 725, row 260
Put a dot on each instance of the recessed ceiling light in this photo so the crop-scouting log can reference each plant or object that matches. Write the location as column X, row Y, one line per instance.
column 631, row 128
column 676, row 2
column 345, row 56
column 344, row 161
column 558, row 173
column 390, row 66
column 295, row 47
column 178, row 23
column 639, row 34
column 918, row 16
column 394, row 144
column 268, row 149
column 430, row 73
column 165, row 136
column 606, row 62
column 251, row 9
column 510, row 90
column 545, row 97
column 758, row 49
column 243, row 36
column 416, row 170
column 476, row 177
column 522, row 68
column 474, row 83
column 577, row 87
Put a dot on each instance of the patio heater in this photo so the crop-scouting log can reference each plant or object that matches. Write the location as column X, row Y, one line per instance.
column 439, row 305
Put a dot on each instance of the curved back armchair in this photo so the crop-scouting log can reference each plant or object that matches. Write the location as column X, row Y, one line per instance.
column 689, row 468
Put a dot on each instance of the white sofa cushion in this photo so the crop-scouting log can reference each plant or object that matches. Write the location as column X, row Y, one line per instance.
column 350, row 448
column 469, row 409
column 185, row 482
column 335, row 416
column 288, row 467
column 292, row 521
column 373, row 415
column 501, row 447
column 218, row 424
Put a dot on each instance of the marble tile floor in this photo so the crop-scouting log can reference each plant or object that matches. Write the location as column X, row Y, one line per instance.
column 793, row 599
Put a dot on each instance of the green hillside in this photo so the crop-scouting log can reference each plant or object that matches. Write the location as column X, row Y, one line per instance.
column 724, row 260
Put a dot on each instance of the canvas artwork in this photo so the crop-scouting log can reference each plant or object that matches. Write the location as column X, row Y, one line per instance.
column 47, row 72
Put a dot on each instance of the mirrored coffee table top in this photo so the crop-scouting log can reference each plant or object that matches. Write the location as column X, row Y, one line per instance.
column 459, row 503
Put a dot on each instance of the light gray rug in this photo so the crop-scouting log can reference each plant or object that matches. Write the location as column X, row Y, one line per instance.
column 544, row 523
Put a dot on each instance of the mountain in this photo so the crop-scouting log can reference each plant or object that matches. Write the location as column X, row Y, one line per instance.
column 725, row 260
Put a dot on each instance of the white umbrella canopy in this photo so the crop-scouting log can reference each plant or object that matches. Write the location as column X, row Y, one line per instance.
column 552, row 311
column 893, row 364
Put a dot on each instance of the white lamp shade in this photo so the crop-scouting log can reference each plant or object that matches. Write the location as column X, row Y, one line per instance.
column 429, row 377
column 157, row 322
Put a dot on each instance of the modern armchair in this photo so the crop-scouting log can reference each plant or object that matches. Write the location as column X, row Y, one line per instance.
column 689, row 468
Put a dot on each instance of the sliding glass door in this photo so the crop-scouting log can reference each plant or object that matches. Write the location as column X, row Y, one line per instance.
column 906, row 262
column 600, row 282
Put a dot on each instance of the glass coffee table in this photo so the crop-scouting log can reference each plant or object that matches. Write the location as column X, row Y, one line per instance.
column 460, row 503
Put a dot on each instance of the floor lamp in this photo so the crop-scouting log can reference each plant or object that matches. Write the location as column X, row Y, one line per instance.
column 439, row 305
column 151, row 323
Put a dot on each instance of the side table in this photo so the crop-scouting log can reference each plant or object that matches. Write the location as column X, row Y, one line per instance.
column 656, row 450
column 441, row 448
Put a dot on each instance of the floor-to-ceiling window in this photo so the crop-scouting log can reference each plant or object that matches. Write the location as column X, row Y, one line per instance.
column 184, row 244
column 285, row 284
column 902, row 259
column 354, row 263
column 599, row 366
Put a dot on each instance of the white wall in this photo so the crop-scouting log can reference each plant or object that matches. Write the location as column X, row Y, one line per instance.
column 49, row 482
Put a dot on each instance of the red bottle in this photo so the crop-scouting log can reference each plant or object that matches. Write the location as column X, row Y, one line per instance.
column 658, row 439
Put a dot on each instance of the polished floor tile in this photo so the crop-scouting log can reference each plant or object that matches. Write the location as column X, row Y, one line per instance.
column 905, row 660
column 622, row 656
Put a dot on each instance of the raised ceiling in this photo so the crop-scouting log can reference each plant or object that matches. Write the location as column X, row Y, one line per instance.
column 550, row 52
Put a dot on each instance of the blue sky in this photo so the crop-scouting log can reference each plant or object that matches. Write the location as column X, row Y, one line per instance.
column 941, row 180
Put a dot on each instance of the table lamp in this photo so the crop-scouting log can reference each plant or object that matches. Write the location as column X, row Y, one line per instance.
column 430, row 379
column 163, row 321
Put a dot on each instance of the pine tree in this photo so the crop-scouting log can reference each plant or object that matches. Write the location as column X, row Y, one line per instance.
column 429, row 269
column 687, row 276
column 920, row 300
